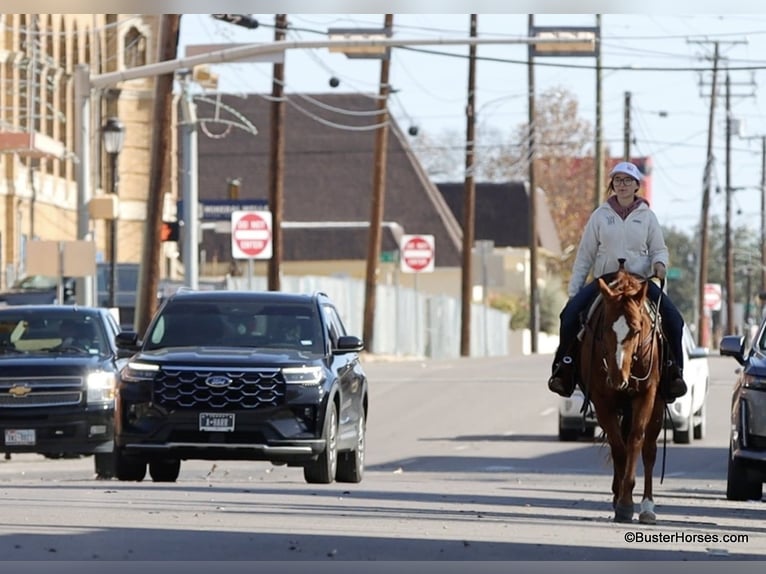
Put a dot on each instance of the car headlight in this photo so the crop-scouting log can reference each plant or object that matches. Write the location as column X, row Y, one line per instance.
column 135, row 372
column 753, row 382
column 303, row 375
column 100, row 387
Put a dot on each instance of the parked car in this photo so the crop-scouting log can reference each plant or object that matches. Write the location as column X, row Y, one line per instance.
column 687, row 414
column 242, row 375
column 747, row 441
column 38, row 290
column 57, row 379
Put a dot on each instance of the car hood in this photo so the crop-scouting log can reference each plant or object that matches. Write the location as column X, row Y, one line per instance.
column 228, row 356
column 14, row 365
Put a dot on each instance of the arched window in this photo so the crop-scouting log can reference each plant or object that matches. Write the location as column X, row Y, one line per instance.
column 134, row 48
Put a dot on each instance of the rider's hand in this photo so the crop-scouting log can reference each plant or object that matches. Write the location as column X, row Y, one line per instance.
column 659, row 270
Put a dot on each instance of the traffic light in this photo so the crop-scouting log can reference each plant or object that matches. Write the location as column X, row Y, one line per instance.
column 244, row 20
column 169, row 231
column 70, row 290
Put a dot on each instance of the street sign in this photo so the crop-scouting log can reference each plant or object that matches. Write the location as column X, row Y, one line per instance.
column 221, row 209
column 674, row 273
column 388, row 256
column 417, row 253
column 251, row 235
column 713, row 296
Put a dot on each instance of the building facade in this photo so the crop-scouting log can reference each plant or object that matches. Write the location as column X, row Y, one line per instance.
column 38, row 187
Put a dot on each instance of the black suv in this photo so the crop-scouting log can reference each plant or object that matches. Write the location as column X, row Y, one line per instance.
column 57, row 378
column 241, row 375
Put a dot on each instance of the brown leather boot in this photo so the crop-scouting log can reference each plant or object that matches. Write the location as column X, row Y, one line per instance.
column 675, row 386
column 562, row 380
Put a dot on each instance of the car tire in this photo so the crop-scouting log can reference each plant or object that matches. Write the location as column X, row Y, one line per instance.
column 568, row 434
column 165, row 470
column 323, row 469
column 738, row 486
column 700, row 426
column 128, row 467
column 103, row 463
column 351, row 463
column 684, row 436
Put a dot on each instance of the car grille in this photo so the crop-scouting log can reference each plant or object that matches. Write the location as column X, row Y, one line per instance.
column 40, row 392
column 190, row 388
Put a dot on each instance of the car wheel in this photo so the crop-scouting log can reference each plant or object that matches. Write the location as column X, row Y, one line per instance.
column 700, row 426
column 568, row 434
column 351, row 463
column 128, row 467
column 165, row 470
column 738, row 486
column 322, row 470
column 104, row 465
column 684, row 436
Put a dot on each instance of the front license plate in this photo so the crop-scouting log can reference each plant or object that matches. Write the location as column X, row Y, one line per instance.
column 216, row 422
column 20, row 437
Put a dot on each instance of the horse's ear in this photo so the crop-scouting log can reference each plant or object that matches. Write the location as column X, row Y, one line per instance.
column 605, row 289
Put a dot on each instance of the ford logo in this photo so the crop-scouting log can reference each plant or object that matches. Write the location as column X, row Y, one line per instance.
column 218, row 381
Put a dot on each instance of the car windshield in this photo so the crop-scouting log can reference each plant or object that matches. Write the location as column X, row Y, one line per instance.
column 54, row 332
column 237, row 324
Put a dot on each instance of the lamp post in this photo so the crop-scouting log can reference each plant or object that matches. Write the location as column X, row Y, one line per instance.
column 113, row 135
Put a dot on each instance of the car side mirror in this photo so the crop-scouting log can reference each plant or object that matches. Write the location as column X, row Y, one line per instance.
column 349, row 344
column 733, row 346
column 126, row 340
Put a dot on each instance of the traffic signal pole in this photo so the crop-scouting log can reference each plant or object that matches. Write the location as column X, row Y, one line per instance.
column 85, row 84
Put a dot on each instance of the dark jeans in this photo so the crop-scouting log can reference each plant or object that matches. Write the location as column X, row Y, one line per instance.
column 672, row 321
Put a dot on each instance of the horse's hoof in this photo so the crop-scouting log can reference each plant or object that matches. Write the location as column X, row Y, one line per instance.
column 647, row 517
column 623, row 513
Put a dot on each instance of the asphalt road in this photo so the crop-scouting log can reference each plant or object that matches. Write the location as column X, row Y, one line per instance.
column 463, row 464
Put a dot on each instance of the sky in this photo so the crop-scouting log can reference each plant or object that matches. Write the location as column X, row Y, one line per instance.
column 664, row 61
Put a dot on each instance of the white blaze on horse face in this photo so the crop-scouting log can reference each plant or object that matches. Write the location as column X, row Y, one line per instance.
column 621, row 330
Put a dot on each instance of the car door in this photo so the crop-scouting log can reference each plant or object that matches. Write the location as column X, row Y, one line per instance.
column 345, row 366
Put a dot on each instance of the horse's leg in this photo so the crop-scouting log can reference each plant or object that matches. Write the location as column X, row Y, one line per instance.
column 607, row 419
column 649, row 455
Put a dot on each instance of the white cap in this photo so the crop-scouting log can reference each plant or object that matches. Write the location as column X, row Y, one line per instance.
column 628, row 169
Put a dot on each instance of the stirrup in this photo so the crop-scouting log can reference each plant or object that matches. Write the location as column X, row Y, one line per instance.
column 558, row 381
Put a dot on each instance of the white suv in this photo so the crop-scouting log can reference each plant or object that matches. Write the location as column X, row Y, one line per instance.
column 687, row 413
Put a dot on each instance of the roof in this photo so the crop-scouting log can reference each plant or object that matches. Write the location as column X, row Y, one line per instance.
column 501, row 214
column 328, row 176
column 247, row 296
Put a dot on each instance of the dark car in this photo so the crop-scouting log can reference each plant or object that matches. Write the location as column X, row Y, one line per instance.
column 747, row 446
column 57, row 378
column 242, row 375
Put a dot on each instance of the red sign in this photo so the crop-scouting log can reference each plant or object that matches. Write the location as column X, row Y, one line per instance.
column 251, row 235
column 417, row 253
column 713, row 296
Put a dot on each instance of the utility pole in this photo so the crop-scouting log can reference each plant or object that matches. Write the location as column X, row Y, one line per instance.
column 702, row 318
column 532, row 192
column 626, row 128
column 729, row 279
column 277, row 161
column 763, row 215
column 159, row 174
column 599, row 130
column 378, row 199
column 469, row 201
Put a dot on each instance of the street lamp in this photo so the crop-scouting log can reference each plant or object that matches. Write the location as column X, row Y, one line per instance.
column 113, row 136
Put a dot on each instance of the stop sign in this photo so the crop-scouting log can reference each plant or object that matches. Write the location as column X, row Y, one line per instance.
column 713, row 296
column 417, row 253
column 251, row 235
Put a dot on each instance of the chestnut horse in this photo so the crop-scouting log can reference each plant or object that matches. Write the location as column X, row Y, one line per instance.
column 620, row 369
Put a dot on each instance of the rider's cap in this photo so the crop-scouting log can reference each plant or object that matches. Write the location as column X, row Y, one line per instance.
column 628, row 169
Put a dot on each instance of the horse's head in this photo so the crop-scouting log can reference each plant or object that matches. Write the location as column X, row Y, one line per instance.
column 623, row 299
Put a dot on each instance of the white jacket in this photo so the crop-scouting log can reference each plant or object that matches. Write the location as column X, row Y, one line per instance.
column 638, row 239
